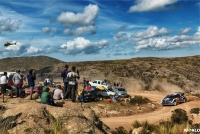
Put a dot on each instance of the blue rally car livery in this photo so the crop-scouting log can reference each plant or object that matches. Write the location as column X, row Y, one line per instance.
column 174, row 99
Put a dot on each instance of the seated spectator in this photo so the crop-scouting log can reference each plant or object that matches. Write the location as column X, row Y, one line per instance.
column 115, row 98
column 46, row 97
column 58, row 93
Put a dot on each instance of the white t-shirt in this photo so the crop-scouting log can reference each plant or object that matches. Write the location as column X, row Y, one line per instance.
column 47, row 80
column 3, row 79
column 72, row 74
column 58, row 94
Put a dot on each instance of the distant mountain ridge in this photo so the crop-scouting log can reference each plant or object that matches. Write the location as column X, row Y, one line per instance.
column 183, row 72
column 27, row 62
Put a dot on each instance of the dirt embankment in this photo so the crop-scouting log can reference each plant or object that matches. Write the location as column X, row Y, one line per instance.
column 162, row 113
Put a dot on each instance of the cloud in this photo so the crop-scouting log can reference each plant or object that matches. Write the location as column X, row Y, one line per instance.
column 184, row 31
column 47, row 30
column 198, row 4
column 82, row 45
column 170, row 43
column 7, row 26
column 45, row 50
column 119, row 37
column 80, row 30
column 151, row 5
column 26, row 49
column 151, row 32
column 81, row 22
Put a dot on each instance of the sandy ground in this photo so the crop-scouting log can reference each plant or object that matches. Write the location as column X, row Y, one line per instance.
column 153, row 117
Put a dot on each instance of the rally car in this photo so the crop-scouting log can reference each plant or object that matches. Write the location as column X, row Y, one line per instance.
column 174, row 99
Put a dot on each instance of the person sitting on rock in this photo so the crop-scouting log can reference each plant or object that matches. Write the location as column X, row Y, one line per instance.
column 58, row 93
column 46, row 97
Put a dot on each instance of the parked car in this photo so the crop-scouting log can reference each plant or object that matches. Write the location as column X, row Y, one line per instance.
column 174, row 99
column 120, row 91
column 100, row 83
column 37, row 89
column 105, row 93
column 88, row 95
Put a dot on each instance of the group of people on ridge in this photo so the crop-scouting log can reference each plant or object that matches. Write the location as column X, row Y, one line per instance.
column 69, row 80
column 70, row 87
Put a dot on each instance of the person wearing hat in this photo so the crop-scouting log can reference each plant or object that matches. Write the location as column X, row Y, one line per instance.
column 17, row 82
column 46, row 97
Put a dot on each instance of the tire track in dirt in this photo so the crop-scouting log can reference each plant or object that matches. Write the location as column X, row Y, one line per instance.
column 161, row 113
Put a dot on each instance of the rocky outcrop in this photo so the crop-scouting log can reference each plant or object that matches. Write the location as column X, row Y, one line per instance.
column 28, row 116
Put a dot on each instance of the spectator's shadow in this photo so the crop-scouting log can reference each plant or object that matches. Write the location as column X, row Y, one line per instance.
column 9, row 122
column 59, row 104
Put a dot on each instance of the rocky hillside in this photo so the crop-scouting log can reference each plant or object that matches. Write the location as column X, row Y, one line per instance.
column 22, row 116
column 146, row 73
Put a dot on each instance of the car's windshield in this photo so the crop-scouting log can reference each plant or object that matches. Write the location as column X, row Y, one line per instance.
column 170, row 96
column 121, row 89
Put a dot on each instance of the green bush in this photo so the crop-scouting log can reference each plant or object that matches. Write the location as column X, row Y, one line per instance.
column 179, row 116
column 195, row 110
column 139, row 100
column 136, row 124
column 120, row 130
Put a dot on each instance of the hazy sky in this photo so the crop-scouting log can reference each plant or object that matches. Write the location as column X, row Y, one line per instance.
column 89, row 30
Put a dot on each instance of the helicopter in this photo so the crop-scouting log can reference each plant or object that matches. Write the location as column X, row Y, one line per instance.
column 8, row 44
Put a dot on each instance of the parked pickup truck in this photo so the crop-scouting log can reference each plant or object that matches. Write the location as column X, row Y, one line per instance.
column 100, row 83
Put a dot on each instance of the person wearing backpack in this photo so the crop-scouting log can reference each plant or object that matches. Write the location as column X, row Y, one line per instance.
column 71, row 77
column 64, row 75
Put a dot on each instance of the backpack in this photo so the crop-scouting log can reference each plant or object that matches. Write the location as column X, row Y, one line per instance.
column 72, row 77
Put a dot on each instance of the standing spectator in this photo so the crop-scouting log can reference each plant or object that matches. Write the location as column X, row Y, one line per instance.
column 17, row 80
column 84, row 83
column 4, row 85
column 31, row 81
column 115, row 85
column 87, row 81
column 51, row 81
column 65, row 81
column 89, row 87
column 58, row 93
column 72, row 76
column 47, row 82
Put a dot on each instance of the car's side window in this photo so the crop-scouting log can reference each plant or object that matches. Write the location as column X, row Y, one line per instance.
column 95, row 82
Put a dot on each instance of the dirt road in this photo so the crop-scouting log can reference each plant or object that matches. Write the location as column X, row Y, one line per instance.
column 153, row 117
